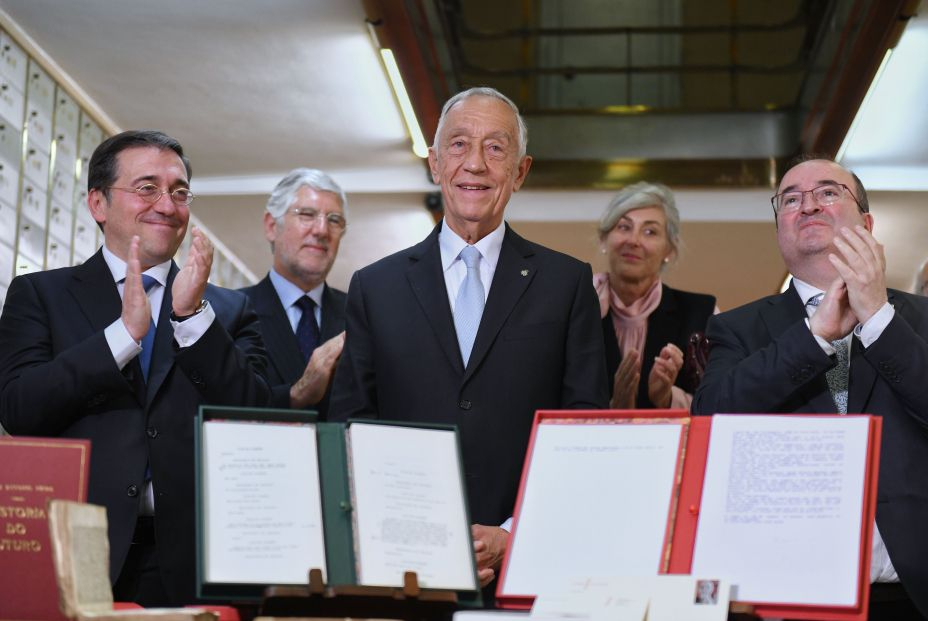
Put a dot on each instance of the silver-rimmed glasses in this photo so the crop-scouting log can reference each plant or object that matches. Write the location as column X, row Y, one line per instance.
column 823, row 195
column 150, row 193
column 307, row 216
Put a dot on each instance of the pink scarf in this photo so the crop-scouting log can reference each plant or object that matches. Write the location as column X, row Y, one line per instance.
column 630, row 322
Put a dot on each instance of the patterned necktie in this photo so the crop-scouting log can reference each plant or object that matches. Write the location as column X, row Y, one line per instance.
column 148, row 341
column 838, row 378
column 468, row 306
column 307, row 330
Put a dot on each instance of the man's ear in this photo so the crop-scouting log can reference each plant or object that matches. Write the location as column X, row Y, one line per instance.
column 97, row 203
column 433, row 164
column 270, row 227
column 522, row 172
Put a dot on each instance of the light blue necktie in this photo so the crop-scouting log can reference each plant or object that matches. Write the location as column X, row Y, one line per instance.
column 148, row 341
column 468, row 307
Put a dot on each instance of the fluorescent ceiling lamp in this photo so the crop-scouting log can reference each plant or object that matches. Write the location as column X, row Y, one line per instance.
column 864, row 107
column 419, row 147
column 886, row 145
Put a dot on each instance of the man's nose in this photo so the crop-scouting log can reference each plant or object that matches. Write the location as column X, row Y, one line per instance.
column 808, row 204
column 475, row 161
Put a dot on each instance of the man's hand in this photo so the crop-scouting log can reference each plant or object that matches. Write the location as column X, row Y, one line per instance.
column 490, row 544
column 625, row 382
column 190, row 282
column 863, row 269
column 833, row 319
column 663, row 374
column 136, row 310
column 310, row 388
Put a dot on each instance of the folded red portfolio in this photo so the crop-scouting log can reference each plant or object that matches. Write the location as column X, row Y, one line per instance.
column 643, row 495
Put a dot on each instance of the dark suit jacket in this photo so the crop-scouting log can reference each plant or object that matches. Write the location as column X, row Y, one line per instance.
column 765, row 359
column 679, row 315
column 58, row 378
column 539, row 345
column 285, row 362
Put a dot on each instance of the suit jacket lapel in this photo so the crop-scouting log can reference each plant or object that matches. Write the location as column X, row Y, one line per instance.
column 784, row 311
column 514, row 273
column 277, row 333
column 162, row 357
column 97, row 297
column 428, row 285
column 330, row 315
column 95, row 292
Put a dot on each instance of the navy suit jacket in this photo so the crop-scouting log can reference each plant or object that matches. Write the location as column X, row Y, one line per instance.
column 58, row 378
column 285, row 361
column 764, row 359
column 539, row 346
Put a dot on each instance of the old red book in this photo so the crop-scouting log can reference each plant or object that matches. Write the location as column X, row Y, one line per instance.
column 32, row 471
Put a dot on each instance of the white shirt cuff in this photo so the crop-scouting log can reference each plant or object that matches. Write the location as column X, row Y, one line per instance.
column 870, row 330
column 189, row 331
column 123, row 347
column 827, row 347
column 507, row 525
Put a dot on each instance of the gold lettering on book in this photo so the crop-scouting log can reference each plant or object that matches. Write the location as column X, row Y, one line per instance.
column 20, row 545
column 23, row 513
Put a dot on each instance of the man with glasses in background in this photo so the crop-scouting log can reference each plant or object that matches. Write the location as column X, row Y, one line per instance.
column 302, row 318
column 122, row 349
column 839, row 341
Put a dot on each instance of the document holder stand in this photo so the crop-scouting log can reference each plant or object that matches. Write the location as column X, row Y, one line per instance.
column 410, row 602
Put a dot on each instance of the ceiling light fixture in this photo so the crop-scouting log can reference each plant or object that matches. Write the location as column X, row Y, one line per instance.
column 419, row 146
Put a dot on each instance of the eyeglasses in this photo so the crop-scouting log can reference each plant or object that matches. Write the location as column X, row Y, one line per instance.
column 824, row 195
column 150, row 193
column 307, row 216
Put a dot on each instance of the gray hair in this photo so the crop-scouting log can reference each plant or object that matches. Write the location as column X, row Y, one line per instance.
column 485, row 91
column 636, row 196
column 284, row 194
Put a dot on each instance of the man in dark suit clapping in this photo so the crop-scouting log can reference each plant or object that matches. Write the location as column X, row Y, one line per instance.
column 122, row 349
column 302, row 318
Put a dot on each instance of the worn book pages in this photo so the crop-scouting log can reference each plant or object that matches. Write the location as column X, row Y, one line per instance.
column 81, row 551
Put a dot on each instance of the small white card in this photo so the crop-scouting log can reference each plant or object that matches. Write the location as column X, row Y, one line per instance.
column 653, row 598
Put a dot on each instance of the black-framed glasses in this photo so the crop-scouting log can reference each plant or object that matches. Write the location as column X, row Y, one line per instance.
column 307, row 216
column 823, row 195
column 150, row 193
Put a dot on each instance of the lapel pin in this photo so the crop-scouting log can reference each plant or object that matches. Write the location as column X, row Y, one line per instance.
column 525, row 272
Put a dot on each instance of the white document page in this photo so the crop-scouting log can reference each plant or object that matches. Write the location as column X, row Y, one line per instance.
column 781, row 507
column 409, row 507
column 596, row 503
column 262, row 503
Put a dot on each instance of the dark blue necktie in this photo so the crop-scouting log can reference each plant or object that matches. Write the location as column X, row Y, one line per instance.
column 148, row 341
column 307, row 330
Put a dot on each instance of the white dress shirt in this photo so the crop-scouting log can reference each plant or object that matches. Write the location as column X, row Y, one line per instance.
column 881, row 567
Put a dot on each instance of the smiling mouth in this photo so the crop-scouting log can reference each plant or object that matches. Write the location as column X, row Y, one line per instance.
column 470, row 187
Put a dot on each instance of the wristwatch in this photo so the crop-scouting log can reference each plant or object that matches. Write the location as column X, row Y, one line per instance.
column 198, row 309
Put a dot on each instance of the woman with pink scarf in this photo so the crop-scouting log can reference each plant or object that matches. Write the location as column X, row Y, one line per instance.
column 647, row 326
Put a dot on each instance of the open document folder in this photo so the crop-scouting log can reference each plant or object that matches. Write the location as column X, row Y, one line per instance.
column 781, row 506
column 279, row 495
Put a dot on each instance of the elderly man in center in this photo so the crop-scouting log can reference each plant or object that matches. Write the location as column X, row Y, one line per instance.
column 302, row 318
column 474, row 325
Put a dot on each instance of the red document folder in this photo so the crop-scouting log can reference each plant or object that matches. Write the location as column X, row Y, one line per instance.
column 683, row 511
column 33, row 471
